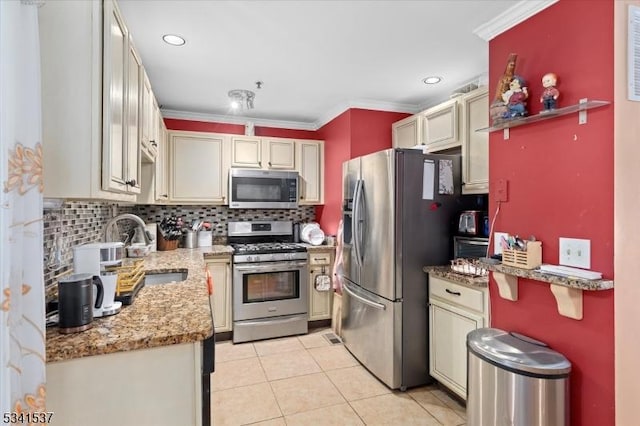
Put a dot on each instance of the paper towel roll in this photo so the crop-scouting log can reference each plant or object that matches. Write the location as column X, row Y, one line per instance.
column 153, row 230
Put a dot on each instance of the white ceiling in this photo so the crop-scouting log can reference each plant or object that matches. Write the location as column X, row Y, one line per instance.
column 316, row 58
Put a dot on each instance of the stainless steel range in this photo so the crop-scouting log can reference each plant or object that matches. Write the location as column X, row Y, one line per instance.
column 270, row 281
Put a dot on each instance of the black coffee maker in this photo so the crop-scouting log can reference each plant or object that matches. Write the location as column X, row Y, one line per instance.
column 75, row 302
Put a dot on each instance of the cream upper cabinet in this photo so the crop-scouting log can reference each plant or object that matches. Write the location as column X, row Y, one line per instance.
column 198, row 167
column 475, row 145
column 246, row 152
column 83, row 64
column 440, row 127
column 220, row 270
column 149, row 122
column 320, row 300
column 407, row 132
column 161, row 164
column 310, row 166
column 262, row 153
column 155, row 188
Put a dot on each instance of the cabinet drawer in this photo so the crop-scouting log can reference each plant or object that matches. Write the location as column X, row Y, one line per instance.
column 464, row 296
column 319, row 259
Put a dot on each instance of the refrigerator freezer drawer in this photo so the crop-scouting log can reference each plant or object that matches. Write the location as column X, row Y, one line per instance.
column 371, row 332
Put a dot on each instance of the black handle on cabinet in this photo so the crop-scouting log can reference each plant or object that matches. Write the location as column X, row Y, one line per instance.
column 165, row 195
column 260, row 163
column 269, row 163
column 131, row 182
column 455, row 293
column 154, row 143
column 301, row 197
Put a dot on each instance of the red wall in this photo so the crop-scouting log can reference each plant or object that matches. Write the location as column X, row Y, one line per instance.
column 236, row 129
column 560, row 177
column 353, row 133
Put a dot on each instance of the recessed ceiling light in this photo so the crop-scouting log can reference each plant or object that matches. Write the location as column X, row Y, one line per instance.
column 173, row 39
column 432, row 80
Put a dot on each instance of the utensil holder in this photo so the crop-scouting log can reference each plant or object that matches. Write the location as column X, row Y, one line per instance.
column 530, row 258
column 190, row 239
column 166, row 245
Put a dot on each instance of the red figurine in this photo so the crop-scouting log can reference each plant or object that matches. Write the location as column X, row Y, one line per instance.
column 550, row 94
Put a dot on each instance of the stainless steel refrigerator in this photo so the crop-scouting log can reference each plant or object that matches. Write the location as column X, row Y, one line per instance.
column 398, row 206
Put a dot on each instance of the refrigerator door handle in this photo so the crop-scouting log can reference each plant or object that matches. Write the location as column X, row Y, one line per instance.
column 362, row 299
column 356, row 220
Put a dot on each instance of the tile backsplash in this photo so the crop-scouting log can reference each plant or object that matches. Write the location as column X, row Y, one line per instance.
column 80, row 222
column 219, row 216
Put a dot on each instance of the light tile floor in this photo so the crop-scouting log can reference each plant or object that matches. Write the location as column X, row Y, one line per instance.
column 305, row 380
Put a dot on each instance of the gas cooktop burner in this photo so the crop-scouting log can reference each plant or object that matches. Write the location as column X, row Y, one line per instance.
column 259, row 248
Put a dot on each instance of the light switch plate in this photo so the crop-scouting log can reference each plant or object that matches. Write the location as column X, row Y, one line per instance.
column 575, row 252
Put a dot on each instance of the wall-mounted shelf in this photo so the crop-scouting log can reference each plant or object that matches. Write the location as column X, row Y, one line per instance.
column 566, row 290
column 580, row 107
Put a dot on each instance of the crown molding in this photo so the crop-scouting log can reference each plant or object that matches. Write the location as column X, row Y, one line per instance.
column 511, row 17
column 230, row 119
column 296, row 125
column 365, row 104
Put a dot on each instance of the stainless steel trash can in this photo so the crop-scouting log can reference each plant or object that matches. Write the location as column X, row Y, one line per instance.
column 514, row 380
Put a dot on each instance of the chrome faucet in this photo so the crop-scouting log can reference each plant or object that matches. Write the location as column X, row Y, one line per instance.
column 108, row 233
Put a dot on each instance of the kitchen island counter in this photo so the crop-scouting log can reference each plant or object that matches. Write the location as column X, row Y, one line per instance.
column 447, row 273
column 161, row 314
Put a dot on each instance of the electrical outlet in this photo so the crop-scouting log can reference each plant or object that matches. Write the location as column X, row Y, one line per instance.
column 575, row 252
column 499, row 190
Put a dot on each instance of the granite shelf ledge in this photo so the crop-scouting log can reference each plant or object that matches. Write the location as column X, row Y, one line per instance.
column 566, row 290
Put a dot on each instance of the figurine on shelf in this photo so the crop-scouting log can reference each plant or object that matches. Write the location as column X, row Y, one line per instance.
column 498, row 107
column 550, row 94
column 516, row 98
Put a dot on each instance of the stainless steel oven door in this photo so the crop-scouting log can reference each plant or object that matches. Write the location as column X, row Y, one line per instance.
column 270, row 289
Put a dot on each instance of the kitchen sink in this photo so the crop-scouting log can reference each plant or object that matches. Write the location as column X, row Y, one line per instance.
column 160, row 277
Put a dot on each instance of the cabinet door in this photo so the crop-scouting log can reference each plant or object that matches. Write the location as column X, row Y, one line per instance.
column 198, row 167
column 407, row 132
column 278, row 153
column 440, row 126
column 132, row 163
column 246, row 152
column 320, row 302
column 448, row 329
column 115, row 57
column 310, row 166
column 145, row 113
column 475, row 145
column 161, row 175
column 220, row 270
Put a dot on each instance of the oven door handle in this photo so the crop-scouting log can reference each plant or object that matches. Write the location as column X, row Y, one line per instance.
column 270, row 267
column 273, row 321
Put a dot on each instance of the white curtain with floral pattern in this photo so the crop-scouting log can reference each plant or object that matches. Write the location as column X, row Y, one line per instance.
column 22, row 328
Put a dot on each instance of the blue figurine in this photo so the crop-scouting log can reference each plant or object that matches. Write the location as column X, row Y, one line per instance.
column 515, row 98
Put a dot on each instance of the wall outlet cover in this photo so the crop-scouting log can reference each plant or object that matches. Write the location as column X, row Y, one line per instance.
column 575, row 252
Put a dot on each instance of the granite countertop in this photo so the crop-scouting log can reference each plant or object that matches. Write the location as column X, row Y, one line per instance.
column 537, row 275
column 161, row 314
column 446, row 273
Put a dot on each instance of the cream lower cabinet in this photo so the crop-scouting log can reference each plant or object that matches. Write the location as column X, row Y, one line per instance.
column 310, row 166
column 454, row 311
column 220, row 270
column 198, row 167
column 475, row 145
column 159, row 386
column 320, row 302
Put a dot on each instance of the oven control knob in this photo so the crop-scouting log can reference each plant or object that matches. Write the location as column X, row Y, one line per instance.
column 249, row 259
column 256, row 259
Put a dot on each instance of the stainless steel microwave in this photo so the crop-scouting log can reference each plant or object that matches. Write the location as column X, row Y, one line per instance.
column 263, row 189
